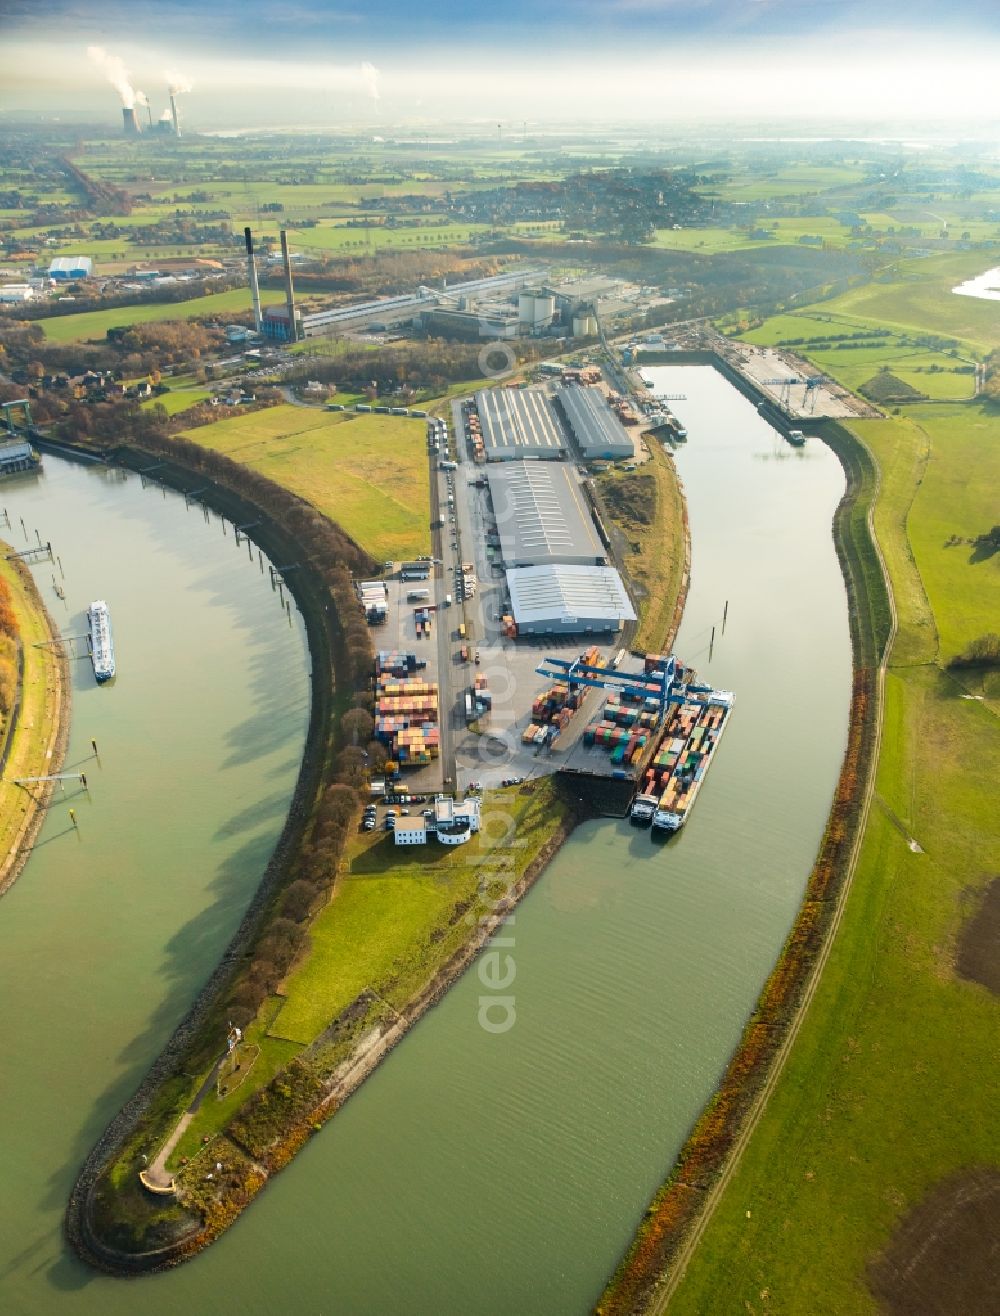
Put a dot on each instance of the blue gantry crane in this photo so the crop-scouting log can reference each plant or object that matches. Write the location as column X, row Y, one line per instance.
column 576, row 672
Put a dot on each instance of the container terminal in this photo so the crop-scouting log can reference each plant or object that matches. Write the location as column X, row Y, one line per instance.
column 659, row 727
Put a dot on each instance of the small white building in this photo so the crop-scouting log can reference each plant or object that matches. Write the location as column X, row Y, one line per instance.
column 410, row 831
column 456, row 820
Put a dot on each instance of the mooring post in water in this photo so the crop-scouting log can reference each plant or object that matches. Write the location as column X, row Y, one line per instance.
column 39, row 538
column 711, row 645
column 24, row 528
column 93, row 746
column 725, row 614
column 83, row 782
column 61, row 572
column 260, row 559
column 72, row 816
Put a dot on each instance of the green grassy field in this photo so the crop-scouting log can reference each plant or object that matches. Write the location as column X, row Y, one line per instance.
column 339, row 237
column 375, row 932
column 958, row 496
column 95, row 324
column 178, row 400
column 792, row 180
column 825, row 339
column 918, row 300
column 367, row 473
column 887, row 1087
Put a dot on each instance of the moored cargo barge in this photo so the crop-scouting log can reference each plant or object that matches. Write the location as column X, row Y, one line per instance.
column 691, row 734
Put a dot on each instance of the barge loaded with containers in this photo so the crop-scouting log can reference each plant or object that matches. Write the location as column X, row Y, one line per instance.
column 691, row 735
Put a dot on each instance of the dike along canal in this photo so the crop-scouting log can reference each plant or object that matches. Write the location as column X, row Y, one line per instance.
column 473, row 1172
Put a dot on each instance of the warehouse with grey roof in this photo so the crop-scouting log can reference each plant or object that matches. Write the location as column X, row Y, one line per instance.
column 598, row 432
column 561, row 599
column 542, row 516
column 519, row 423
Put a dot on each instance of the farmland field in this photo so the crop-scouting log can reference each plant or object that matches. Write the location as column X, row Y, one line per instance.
column 367, row 473
column 827, row 339
column 881, row 1099
column 882, row 1096
column 95, row 324
column 918, row 300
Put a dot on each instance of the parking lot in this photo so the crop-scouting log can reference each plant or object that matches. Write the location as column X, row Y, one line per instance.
column 399, row 632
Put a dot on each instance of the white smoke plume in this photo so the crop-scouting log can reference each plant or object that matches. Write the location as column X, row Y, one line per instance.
column 116, row 73
column 177, row 83
column 369, row 75
column 140, row 97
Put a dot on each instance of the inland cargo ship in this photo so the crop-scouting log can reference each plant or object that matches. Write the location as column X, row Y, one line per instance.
column 101, row 642
column 675, row 775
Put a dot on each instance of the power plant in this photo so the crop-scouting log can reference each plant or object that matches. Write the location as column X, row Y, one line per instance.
column 113, row 68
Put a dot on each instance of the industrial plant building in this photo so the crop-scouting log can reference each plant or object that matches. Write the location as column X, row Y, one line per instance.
column 71, row 267
column 519, row 423
column 562, row 599
column 598, row 432
column 541, row 516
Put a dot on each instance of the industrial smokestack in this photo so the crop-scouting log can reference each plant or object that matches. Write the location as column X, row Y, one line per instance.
column 173, row 115
column 130, row 122
column 149, row 112
column 293, row 331
column 258, row 319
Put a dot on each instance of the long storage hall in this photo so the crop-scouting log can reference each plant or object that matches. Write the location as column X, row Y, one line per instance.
column 519, row 423
column 541, row 516
column 598, row 432
column 568, row 600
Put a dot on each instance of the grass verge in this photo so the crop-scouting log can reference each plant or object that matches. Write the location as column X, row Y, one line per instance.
column 677, row 1211
column 884, row 1092
column 647, row 508
column 37, row 735
column 368, row 473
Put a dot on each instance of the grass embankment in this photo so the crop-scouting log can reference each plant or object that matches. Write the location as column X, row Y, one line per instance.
column 36, row 736
column 647, row 507
column 368, row 473
column 886, row 1091
column 676, row 1209
column 95, row 324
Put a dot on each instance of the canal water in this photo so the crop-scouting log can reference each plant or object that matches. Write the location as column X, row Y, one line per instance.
column 475, row 1172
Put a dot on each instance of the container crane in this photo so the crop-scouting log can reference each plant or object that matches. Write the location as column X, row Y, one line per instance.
column 574, row 672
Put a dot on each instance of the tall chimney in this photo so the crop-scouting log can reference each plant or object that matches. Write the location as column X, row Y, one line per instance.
column 293, row 331
column 149, row 111
column 130, row 122
column 173, row 115
column 258, row 319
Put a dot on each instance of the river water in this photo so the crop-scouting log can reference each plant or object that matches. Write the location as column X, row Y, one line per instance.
column 474, row 1172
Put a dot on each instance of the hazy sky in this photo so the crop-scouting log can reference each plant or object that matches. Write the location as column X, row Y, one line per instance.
column 290, row 61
